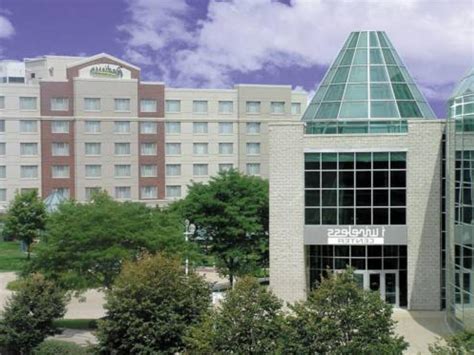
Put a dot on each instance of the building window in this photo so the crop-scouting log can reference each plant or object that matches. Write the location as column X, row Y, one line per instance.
column 226, row 148
column 278, row 107
column 199, row 106
column 2, row 126
column 60, row 171
column 59, row 104
column 122, row 127
column 200, row 127
column 92, row 126
column 122, row 105
column 148, row 149
column 148, row 127
column 62, row 191
column 92, row 148
column 122, row 149
column 173, row 169
column 226, row 128
column 28, row 103
column 253, row 106
column 3, row 149
column 173, row 106
column 173, row 191
column 200, row 169
column 295, row 108
column 3, row 172
column 253, row 127
column 123, row 170
column 226, row 107
column 253, row 169
column 2, row 102
column 91, row 191
column 93, row 171
column 148, row 105
column 355, row 188
column 26, row 149
column 59, row 126
column 253, row 148
column 3, row 195
column 173, row 148
column 29, row 171
column 149, row 192
column 60, row 149
column 123, row 192
column 200, row 148
column 173, row 127
column 28, row 126
column 149, row 170
column 225, row 167
column 92, row 104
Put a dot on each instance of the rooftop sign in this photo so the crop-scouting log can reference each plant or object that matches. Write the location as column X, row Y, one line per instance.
column 106, row 71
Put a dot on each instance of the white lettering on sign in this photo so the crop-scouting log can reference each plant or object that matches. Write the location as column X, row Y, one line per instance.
column 110, row 71
column 356, row 241
column 356, row 235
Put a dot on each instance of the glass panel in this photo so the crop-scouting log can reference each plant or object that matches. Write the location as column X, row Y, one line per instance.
column 383, row 109
column 312, row 216
column 356, row 92
column 346, row 197
column 363, row 216
column 363, row 160
column 377, row 73
column 346, row 161
column 397, row 197
column 347, row 59
column 397, row 216
column 312, row 179
column 329, row 179
column 360, row 57
column 328, row 110
column 329, row 197
column 374, row 282
column 389, row 59
column 402, row 92
column 380, row 160
column 374, row 250
column 346, row 216
column 359, row 279
column 353, row 40
column 346, row 179
column 334, row 93
column 354, row 110
column 311, row 198
column 395, row 74
column 329, row 160
column 380, row 178
column 408, row 109
column 362, row 40
column 381, row 91
column 398, row 160
column 380, row 216
column 353, row 127
column 383, row 42
column 358, row 74
column 373, row 40
column 329, row 216
column 380, row 197
column 398, row 178
column 312, row 161
column 363, row 198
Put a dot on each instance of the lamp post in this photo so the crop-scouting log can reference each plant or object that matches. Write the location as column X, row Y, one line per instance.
column 189, row 230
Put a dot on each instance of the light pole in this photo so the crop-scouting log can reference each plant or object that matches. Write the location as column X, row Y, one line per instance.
column 189, row 230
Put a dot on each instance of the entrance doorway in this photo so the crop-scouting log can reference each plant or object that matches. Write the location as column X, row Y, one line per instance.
column 384, row 282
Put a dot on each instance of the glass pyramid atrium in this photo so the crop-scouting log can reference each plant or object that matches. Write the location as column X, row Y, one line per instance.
column 367, row 81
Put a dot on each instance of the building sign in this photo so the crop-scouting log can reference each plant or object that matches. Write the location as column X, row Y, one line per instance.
column 354, row 235
column 106, row 71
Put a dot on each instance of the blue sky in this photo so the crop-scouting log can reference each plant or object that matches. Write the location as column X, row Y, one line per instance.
column 217, row 43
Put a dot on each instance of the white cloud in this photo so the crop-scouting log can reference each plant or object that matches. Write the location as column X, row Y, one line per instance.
column 6, row 28
column 435, row 38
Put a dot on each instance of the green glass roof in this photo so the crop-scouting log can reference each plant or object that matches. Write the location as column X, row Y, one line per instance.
column 367, row 80
column 465, row 86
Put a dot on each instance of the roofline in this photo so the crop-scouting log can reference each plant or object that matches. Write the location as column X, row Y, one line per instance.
column 100, row 55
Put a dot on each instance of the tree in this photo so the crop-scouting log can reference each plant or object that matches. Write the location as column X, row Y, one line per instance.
column 231, row 216
column 249, row 321
column 26, row 218
column 150, row 306
column 28, row 316
column 461, row 343
column 340, row 317
column 86, row 244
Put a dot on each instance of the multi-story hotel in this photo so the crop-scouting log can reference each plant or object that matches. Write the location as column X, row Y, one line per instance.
column 73, row 125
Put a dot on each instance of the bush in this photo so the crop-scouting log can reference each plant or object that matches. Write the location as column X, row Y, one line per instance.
column 57, row 347
column 461, row 343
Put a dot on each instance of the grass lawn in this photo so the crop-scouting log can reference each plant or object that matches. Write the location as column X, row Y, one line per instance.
column 11, row 258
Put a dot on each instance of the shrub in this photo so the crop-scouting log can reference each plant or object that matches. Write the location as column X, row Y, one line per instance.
column 57, row 347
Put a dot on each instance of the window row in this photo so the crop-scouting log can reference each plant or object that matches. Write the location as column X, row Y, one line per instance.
column 352, row 216
column 394, row 197
column 358, row 179
column 358, row 161
column 252, row 148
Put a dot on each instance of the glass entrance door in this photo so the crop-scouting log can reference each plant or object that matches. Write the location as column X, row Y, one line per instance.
column 384, row 282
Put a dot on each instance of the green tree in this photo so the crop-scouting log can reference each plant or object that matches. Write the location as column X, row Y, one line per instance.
column 231, row 216
column 249, row 321
column 86, row 244
column 339, row 317
column 150, row 306
column 28, row 316
column 26, row 218
column 461, row 343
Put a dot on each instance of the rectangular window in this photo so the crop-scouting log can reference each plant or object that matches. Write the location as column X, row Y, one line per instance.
column 122, row 149
column 173, row 127
column 122, row 105
column 2, row 126
column 28, row 103
column 60, row 149
column 173, row 169
column 59, row 126
column 225, row 167
column 200, row 127
column 123, row 170
column 149, row 170
column 148, row 127
column 226, row 128
column 93, row 171
column 278, row 107
column 123, row 192
column 92, row 148
column 173, row 148
column 3, row 172
column 253, row 106
column 148, row 149
column 173, row 191
column 199, row 106
column 59, row 104
column 253, row 127
column 92, row 126
column 226, row 148
column 149, row 192
column 148, row 105
column 200, row 148
column 27, row 149
column 3, row 148
column 173, row 106
column 28, row 126
column 3, row 195
column 122, row 127
column 295, row 108
column 253, row 169
column 226, row 107
column 62, row 191
column 29, row 171
column 253, row 148
column 91, row 191
column 91, row 104
column 200, row 169
column 60, row 171
column 2, row 102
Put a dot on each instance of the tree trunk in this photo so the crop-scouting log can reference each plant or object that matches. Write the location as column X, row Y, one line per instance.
column 231, row 280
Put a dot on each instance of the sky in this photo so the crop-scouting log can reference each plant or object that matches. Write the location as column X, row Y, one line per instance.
column 219, row 43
